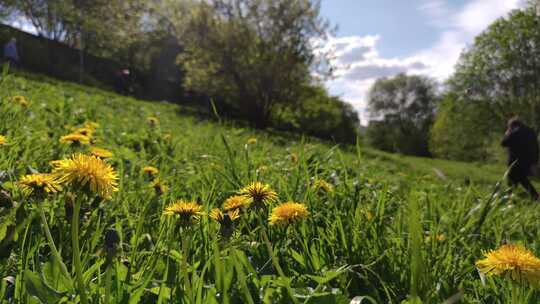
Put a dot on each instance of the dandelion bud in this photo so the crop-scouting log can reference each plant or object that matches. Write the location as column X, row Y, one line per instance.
column 112, row 239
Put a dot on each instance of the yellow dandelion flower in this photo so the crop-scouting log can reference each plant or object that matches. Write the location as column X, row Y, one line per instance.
column 512, row 261
column 159, row 186
column 252, row 141
column 288, row 213
column 441, row 237
column 186, row 212
column 20, row 100
column 259, row 193
column 88, row 172
column 75, row 139
column 150, row 170
column 152, row 121
column 39, row 183
column 3, row 140
column 167, row 136
column 224, row 218
column 84, row 131
column 322, row 185
column 100, row 152
column 236, row 202
column 91, row 125
column 226, row 221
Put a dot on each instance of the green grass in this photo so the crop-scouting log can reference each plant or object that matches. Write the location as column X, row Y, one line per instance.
column 392, row 230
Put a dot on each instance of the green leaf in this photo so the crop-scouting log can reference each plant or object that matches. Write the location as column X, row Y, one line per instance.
column 54, row 277
column 298, row 257
column 165, row 291
column 36, row 287
column 87, row 276
column 329, row 275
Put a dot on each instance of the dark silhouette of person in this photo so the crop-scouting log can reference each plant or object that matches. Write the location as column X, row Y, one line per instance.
column 122, row 81
column 522, row 145
column 10, row 52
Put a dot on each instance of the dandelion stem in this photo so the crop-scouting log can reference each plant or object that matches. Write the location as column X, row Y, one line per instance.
column 76, row 251
column 108, row 282
column 185, row 252
column 50, row 240
column 275, row 261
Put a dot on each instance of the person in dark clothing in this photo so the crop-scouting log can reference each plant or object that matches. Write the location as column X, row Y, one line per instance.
column 522, row 145
column 10, row 52
column 122, row 81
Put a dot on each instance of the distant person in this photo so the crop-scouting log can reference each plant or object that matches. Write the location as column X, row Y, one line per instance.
column 10, row 53
column 522, row 145
column 122, row 81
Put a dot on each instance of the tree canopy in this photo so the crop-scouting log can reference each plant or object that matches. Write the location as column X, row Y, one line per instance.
column 401, row 111
column 251, row 55
column 495, row 79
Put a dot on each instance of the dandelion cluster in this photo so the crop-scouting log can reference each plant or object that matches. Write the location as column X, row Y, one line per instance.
column 512, row 261
column 81, row 136
column 87, row 172
column 20, row 100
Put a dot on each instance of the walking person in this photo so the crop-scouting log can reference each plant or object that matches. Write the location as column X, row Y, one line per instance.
column 522, row 145
column 10, row 53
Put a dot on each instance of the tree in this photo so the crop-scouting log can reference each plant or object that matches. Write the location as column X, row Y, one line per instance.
column 251, row 55
column 320, row 115
column 500, row 71
column 98, row 26
column 401, row 111
column 496, row 78
column 456, row 132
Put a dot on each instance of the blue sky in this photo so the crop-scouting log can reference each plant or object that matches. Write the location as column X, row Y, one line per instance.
column 378, row 38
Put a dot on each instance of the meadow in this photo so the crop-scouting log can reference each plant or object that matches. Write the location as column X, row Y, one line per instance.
column 379, row 228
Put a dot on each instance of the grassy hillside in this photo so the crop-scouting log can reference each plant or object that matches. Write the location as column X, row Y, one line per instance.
column 381, row 228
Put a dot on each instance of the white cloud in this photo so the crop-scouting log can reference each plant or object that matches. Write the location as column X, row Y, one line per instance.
column 359, row 64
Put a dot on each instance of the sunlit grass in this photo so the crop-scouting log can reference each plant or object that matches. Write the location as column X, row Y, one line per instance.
column 377, row 227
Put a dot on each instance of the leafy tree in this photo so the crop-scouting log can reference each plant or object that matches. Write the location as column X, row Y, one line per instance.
column 251, row 55
column 104, row 28
column 456, row 132
column 319, row 115
column 401, row 112
column 500, row 71
column 496, row 78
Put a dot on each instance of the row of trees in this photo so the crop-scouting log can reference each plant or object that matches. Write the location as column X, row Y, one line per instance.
column 497, row 77
column 256, row 59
